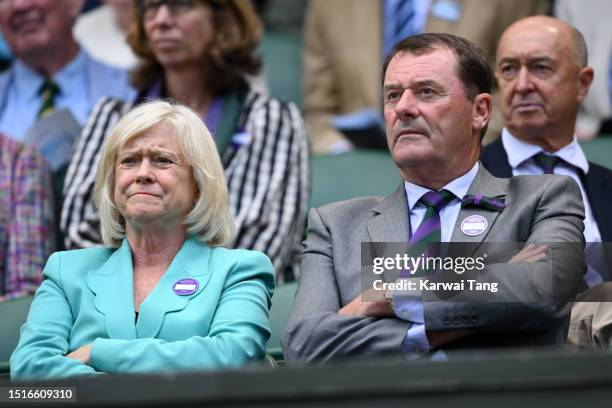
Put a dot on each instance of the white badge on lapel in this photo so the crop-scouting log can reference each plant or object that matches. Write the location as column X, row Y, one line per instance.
column 474, row 225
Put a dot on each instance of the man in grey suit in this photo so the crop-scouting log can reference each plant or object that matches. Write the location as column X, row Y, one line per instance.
column 437, row 104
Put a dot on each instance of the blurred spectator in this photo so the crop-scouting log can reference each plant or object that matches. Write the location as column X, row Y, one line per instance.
column 199, row 53
column 52, row 85
column 50, row 69
column 102, row 33
column 346, row 43
column 543, row 76
column 594, row 24
column 26, row 218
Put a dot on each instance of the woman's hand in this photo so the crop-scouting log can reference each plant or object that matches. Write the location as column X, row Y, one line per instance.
column 81, row 354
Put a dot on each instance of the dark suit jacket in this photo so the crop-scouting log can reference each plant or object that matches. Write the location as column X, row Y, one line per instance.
column 597, row 184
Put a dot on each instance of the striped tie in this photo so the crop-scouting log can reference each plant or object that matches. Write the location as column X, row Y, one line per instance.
column 404, row 20
column 546, row 162
column 429, row 232
column 48, row 91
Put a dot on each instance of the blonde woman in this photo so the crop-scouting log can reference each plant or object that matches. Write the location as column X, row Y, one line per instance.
column 163, row 294
column 201, row 54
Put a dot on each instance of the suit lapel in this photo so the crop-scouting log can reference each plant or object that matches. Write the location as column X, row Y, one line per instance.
column 113, row 287
column 495, row 159
column 487, row 185
column 598, row 186
column 390, row 221
column 190, row 262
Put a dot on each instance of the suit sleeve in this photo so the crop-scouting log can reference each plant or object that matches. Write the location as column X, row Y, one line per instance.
column 533, row 297
column 43, row 342
column 315, row 331
column 238, row 332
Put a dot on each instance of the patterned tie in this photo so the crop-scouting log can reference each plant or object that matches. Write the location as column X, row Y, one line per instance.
column 429, row 231
column 546, row 162
column 489, row 203
column 48, row 91
column 404, row 20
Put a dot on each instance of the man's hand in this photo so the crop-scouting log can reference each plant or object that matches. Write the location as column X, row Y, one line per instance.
column 376, row 306
column 81, row 354
column 531, row 254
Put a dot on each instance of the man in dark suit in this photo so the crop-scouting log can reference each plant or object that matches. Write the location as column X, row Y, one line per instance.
column 543, row 76
column 437, row 104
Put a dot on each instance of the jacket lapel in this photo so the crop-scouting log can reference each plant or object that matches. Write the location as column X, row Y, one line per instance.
column 113, row 287
column 598, row 186
column 487, row 185
column 390, row 221
column 495, row 159
column 190, row 262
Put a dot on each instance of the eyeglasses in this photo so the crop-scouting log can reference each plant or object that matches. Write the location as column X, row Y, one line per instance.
column 149, row 8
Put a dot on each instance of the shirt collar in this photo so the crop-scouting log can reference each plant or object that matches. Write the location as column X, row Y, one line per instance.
column 519, row 151
column 459, row 187
column 71, row 76
column 28, row 81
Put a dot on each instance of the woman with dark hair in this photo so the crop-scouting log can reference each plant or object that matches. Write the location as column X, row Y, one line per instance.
column 201, row 53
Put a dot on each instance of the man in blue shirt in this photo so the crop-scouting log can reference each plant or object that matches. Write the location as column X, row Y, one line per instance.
column 52, row 85
column 437, row 105
column 39, row 33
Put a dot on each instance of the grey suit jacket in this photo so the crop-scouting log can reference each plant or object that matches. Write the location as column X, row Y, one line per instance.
column 540, row 209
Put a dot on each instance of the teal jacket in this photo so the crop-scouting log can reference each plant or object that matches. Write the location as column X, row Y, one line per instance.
column 87, row 296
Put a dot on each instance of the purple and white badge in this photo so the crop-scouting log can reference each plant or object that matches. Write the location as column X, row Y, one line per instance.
column 474, row 225
column 185, row 286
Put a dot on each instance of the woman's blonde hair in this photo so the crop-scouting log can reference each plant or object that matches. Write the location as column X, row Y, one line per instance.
column 210, row 219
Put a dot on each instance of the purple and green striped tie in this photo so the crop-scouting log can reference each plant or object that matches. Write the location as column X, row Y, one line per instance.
column 546, row 162
column 430, row 229
column 429, row 232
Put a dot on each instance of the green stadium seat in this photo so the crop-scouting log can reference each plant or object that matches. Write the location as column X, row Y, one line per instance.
column 599, row 150
column 14, row 313
column 279, row 314
column 282, row 57
column 352, row 174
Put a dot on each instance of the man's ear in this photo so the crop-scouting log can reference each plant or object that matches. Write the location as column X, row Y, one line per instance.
column 481, row 110
column 585, row 78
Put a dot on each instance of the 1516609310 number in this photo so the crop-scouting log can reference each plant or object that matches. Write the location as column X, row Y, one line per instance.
column 38, row 394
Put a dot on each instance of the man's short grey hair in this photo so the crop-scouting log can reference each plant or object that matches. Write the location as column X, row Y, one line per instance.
column 209, row 220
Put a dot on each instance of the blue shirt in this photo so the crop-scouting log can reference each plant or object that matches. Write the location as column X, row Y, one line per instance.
column 82, row 82
column 415, row 342
column 574, row 161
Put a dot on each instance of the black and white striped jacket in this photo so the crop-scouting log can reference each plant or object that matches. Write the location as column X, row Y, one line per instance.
column 268, row 179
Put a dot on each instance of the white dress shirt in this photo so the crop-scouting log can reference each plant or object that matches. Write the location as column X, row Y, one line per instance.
column 574, row 161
